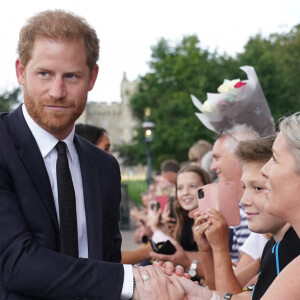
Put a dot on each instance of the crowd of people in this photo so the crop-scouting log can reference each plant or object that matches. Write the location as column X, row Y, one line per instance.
column 271, row 181
column 60, row 191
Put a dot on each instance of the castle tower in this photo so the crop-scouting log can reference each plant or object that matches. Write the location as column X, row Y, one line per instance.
column 128, row 89
column 117, row 118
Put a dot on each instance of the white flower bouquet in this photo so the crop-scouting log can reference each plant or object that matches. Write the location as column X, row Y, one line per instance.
column 238, row 102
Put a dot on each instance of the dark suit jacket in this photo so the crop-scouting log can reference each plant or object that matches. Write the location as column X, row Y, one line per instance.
column 31, row 266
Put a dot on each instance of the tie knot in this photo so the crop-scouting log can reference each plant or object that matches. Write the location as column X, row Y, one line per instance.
column 61, row 148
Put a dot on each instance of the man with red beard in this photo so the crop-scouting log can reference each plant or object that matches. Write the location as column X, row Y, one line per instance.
column 45, row 252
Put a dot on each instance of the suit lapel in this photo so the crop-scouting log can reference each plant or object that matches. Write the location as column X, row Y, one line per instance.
column 32, row 159
column 92, row 198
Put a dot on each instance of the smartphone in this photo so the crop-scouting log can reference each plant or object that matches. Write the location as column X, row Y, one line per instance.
column 222, row 196
column 162, row 200
column 163, row 247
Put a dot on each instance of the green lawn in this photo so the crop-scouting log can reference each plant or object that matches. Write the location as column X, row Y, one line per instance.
column 135, row 188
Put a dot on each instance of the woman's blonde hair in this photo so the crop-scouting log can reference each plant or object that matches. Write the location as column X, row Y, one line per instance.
column 290, row 129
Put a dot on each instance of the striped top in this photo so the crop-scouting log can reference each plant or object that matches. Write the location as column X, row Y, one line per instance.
column 237, row 236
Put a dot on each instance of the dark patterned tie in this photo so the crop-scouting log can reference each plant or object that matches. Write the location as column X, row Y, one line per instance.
column 67, row 204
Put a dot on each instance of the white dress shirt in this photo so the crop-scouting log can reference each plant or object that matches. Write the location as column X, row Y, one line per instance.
column 46, row 143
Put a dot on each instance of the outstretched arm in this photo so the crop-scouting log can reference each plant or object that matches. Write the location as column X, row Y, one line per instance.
column 135, row 256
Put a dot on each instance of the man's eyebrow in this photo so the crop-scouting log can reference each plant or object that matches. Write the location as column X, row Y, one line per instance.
column 257, row 182
column 41, row 69
column 47, row 69
column 74, row 71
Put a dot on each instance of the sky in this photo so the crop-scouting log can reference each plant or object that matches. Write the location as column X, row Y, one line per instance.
column 128, row 29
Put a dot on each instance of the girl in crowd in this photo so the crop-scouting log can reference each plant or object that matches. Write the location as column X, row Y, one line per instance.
column 188, row 181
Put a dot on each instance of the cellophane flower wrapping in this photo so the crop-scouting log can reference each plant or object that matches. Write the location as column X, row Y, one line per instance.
column 238, row 102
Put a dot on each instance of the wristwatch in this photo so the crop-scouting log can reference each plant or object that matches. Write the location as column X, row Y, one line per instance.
column 193, row 268
column 228, row 296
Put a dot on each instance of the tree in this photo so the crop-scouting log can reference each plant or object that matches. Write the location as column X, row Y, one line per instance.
column 9, row 99
column 184, row 69
column 276, row 60
column 176, row 73
column 287, row 55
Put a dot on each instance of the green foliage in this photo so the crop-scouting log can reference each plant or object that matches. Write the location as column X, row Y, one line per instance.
column 178, row 71
column 277, row 64
column 135, row 153
column 9, row 99
column 135, row 188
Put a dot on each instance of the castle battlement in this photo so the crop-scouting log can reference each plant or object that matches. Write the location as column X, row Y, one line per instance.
column 116, row 117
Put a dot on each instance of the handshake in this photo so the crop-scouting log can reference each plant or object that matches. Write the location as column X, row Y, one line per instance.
column 166, row 282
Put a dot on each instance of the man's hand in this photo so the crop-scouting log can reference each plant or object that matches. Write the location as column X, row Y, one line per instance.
column 153, row 284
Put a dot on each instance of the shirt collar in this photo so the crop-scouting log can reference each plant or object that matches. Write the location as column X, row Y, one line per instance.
column 45, row 140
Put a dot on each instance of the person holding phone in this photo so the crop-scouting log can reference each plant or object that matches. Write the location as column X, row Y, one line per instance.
column 188, row 181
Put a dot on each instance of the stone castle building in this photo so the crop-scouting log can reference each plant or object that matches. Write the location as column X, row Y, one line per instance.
column 119, row 121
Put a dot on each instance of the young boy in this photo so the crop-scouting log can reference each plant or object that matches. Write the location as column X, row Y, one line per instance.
column 284, row 244
column 282, row 248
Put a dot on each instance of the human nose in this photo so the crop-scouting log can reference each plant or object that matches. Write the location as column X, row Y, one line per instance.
column 57, row 89
column 184, row 190
column 213, row 166
column 266, row 168
column 245, row 201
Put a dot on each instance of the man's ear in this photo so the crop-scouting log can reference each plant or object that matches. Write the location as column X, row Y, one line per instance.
column 93, row 77
column 20, row 71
